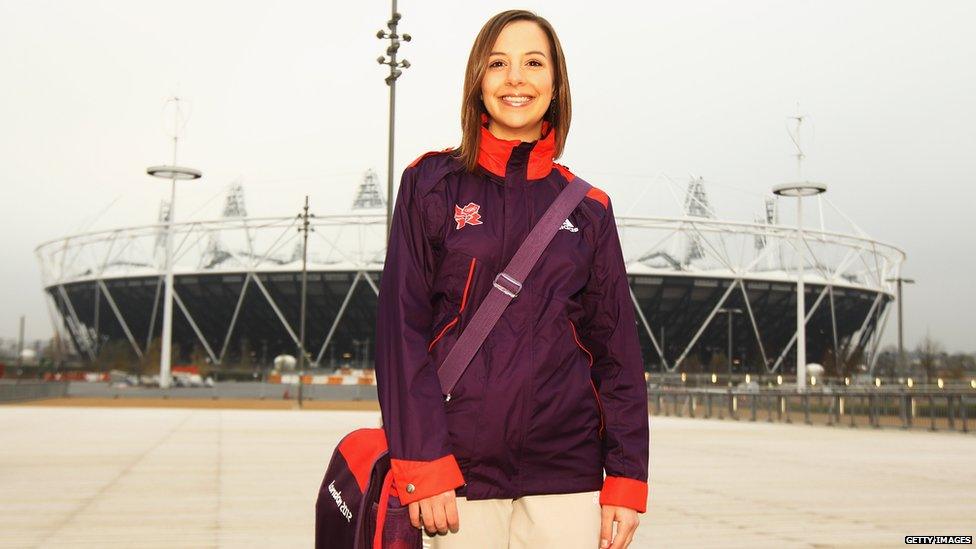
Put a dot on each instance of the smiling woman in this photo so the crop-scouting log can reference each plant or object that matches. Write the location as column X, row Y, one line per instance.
column 516, row 75
column 517, row 87
column 544, row 439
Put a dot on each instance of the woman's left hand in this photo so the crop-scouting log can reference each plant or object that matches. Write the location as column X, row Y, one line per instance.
column 627, row 521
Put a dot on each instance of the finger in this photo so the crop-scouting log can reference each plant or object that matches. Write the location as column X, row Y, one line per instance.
column 414, row 510
column 440, row 518
column 633, row 534
column 624, row 529
column 427, row 514
column 606, row 527
column 453, row 520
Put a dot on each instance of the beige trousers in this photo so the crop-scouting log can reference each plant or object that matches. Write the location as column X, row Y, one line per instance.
column 563, row 521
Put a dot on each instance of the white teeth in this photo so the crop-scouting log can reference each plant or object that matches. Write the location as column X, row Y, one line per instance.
column 516, row 98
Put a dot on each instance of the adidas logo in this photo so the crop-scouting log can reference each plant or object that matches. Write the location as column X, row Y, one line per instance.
column 569, row 226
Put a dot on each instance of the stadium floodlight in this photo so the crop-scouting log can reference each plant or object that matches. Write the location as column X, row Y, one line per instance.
column 172, row 172
column 799, row 191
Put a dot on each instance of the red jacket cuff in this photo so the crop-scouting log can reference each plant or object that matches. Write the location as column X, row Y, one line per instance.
column 625, row 492
column 415, row 480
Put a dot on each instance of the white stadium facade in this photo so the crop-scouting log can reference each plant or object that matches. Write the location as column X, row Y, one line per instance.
column 238, row 281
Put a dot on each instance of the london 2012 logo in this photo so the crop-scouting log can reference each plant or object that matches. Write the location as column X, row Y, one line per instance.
column 337, row 496
column 467, row 215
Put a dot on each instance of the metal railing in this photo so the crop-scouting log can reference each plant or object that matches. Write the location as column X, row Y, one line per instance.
column 854, row 407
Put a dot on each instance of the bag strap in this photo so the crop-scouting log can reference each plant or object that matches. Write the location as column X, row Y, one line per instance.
column 508, row 283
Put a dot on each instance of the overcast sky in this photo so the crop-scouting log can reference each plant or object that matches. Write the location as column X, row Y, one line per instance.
column 288, row 98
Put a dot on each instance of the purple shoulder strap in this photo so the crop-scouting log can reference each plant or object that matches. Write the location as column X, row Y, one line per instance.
column 508, row 283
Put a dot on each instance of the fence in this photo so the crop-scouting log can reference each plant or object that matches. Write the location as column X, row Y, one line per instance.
column 227, row 390
column 932, row 410
column 31, row 390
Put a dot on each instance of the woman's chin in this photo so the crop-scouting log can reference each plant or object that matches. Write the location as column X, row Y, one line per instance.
column 519, row 125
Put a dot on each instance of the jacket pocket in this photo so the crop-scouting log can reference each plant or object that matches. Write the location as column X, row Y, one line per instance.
column 596, row 394
column 465, row 290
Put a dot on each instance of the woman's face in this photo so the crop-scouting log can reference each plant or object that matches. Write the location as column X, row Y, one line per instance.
column 517, row 87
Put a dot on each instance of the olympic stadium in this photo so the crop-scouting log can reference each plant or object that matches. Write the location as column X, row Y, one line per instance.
column 702, row 285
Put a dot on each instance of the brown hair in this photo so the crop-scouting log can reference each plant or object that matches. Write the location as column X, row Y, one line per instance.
column 560, row 111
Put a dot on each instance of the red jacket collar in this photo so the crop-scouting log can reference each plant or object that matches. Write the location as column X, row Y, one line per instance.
column 493, row 153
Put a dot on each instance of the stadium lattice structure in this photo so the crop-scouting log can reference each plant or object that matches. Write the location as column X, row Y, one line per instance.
column 238, row 284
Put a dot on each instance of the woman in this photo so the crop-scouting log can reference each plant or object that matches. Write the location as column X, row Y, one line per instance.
column 556, row 394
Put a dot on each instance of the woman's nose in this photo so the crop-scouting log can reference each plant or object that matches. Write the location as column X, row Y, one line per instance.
column 514, row 75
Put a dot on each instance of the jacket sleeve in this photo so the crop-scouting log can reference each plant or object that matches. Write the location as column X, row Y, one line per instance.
column 609, row 330
column 409, row 392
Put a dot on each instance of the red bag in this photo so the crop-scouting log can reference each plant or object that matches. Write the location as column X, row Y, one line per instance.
column 355, row 507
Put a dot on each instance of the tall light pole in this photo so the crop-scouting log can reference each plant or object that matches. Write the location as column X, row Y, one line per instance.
column 901, row 347
column 395, row 73
column 173, row 173
column 730, row 312
column 304, row 228
column 800, row 190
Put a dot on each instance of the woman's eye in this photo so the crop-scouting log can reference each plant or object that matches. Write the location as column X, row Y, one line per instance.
column 535, row 63
column 494, row 64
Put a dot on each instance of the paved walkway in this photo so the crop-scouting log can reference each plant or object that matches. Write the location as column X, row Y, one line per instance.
column 143, row 477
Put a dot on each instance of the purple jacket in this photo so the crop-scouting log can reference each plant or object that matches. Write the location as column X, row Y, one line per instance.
column 556, row 394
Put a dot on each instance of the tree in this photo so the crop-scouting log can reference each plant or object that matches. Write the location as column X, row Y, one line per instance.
column 958, row 364
column 888, row 363
column 929, row 353
column 115, row 355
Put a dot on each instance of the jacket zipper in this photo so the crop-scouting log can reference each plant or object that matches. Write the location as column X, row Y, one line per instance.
column 464, row 301
column 596, row 393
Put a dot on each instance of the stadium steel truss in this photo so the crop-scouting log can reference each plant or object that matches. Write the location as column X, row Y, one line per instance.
column 238, row 280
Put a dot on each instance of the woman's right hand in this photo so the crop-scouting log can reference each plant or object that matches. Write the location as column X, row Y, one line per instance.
column 438, row 513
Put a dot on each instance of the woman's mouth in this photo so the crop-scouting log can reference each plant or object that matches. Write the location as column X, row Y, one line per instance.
column 516, row 100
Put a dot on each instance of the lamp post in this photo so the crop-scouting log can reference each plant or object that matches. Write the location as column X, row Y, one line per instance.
column 730, row 312
column 395, row 73
column 173, row 173
column 901, row 348
column 799, row 191
column 304, row 228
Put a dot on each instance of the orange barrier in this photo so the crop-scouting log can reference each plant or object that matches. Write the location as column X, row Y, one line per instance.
column 333, row 379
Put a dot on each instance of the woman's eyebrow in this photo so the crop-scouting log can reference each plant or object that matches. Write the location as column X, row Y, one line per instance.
column 526, row 53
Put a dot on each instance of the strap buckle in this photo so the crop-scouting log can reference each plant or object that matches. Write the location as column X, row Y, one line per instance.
column 514, row 286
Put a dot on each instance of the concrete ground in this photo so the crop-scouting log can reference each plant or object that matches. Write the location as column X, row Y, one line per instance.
column 169, row 477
